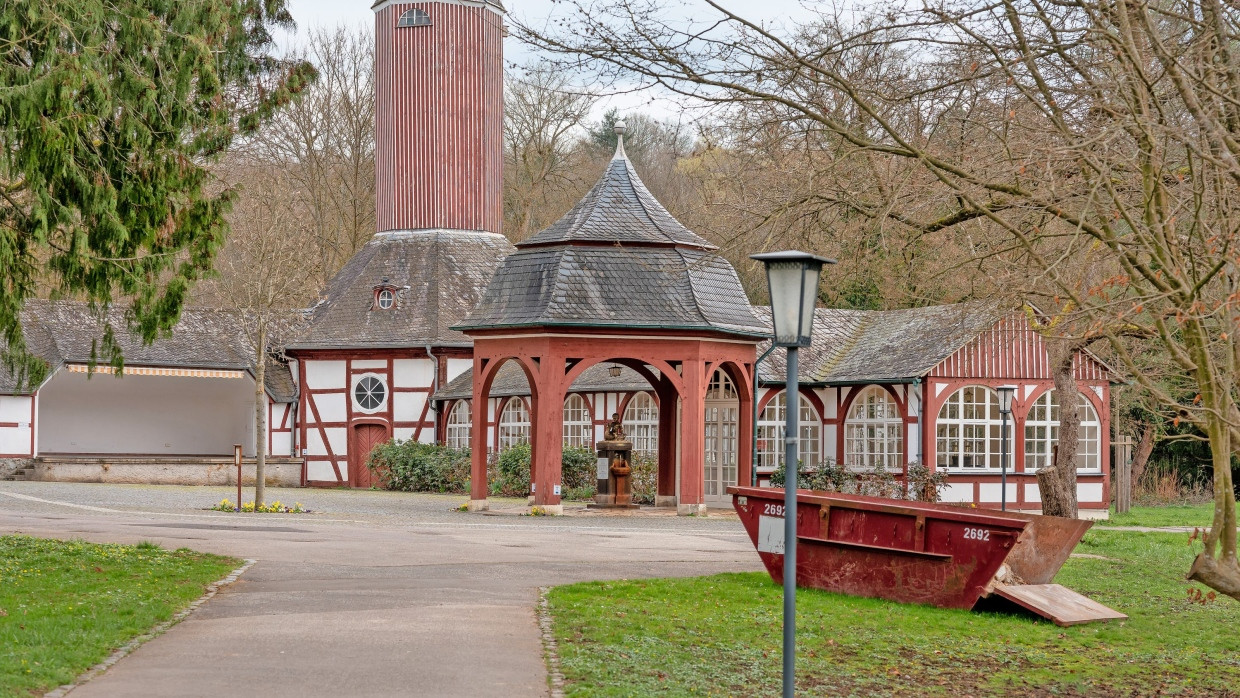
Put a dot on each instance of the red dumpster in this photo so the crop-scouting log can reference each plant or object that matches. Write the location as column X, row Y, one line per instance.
column 917, row 552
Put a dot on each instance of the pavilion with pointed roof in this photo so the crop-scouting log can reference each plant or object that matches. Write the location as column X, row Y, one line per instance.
column 616, row 280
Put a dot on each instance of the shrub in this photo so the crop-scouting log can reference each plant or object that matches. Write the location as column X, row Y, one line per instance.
column 410, row 466
column 924, row 484
column 645, row 478
column 511, row 472
column 579, row 469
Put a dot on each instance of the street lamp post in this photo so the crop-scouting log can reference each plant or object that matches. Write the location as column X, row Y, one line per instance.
column 1005, row 409
column 792, row 279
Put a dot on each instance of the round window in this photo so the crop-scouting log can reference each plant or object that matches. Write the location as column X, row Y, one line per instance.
column 369, row 393
column 386, row 299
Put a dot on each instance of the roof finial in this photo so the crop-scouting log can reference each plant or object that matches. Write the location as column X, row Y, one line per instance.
column 619, row 128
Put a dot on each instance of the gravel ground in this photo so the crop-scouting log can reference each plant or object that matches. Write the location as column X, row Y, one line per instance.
column 329, row 506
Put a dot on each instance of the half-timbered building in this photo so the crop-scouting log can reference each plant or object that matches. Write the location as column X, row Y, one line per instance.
column 440, row 331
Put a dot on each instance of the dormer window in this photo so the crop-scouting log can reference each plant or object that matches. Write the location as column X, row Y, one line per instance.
column 414, row 18
column 386, row 299
column 387, row 296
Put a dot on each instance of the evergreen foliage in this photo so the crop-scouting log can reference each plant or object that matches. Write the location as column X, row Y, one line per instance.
column 110, row 114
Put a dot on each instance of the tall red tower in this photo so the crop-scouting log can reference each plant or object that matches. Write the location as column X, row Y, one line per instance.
column 439, row 115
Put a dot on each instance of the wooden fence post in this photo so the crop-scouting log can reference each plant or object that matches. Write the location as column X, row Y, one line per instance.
column 1121, row 458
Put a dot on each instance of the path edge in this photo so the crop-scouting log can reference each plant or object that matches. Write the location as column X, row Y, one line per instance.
column 555, row 678
column 151, row 634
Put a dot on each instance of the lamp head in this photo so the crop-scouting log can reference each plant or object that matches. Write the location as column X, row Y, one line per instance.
column 792, row 279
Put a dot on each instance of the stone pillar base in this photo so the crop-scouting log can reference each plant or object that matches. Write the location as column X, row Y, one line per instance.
column 478, row 505
column 665, row 500
column 691, row 510
column 549, row 509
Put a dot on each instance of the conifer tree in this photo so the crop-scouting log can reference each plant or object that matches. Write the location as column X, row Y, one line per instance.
column 110, row 114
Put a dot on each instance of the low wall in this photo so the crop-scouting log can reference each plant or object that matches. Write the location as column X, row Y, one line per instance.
column 8, row 466
column 279, row 472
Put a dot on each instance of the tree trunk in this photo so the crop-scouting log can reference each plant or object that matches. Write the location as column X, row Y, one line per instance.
column 1141, row 458
column 260, row 415
column 1057, row 483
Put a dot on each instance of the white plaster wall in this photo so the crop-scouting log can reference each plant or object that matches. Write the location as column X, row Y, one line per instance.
column 282, row 444
column 458, row 366
column 1033, row 494
column 993, row 491
column 331, row 406
column 325, row 375
column 146, row 415
column 402, row 434
column 1089, row 492
column 369, row 363
column 320, row 471
column 15, row 441
column 407, row 407
column 413, row 373
column 314, row 444
column 958, row 492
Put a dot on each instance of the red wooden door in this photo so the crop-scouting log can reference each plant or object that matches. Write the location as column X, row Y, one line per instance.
column 365, row 438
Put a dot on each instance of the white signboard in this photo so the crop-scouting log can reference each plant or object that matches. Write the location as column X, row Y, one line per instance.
column 771, row 535
column 602, row 468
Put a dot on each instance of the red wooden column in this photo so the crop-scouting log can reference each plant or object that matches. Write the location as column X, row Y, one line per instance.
column 548, row 451
column 692, row 460
column 666, row 487
column 745, row 425
column 478, row 437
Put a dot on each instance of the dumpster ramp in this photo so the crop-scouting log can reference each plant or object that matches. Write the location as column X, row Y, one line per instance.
column 1056, row 603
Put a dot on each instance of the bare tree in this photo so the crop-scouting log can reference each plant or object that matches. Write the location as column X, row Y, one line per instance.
column 1046, row 130
column 262, row 276
column 543, row 115
column 325, row 142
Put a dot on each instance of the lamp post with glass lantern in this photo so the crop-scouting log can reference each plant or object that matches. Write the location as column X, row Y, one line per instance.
column 792, row 279
column 1005, row 409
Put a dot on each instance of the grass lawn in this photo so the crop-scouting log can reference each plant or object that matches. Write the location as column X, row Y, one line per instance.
column 720, row 635
column 1172, row 515
column 66, row 605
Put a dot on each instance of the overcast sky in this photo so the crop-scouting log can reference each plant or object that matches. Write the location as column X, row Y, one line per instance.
column 311, row 14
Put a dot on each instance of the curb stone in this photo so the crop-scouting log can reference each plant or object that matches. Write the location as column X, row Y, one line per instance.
column 155, row 632
column 555, row 679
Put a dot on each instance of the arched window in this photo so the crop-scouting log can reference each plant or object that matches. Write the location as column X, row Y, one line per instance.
column 968, row 430
column 720, row 387
column 874, row 431
column 770, row 433
column 578, row 425
column 386, row 299
column 641, row 424
column 458, row 427
column 414, row 18
column 1042, row 432
column 514, row 424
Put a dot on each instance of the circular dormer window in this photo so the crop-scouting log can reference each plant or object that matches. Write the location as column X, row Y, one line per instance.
column 386, row 299
column 370, row 393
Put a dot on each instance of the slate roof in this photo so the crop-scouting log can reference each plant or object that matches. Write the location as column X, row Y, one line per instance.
column 439, row 276
column 619, row 209
column 510, row 380
column 864, row 346
column 61, row 332
column 618, row 260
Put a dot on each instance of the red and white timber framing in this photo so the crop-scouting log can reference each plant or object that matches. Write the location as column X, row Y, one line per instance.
column 18, row 426
column 329, row 412
column 439, row 99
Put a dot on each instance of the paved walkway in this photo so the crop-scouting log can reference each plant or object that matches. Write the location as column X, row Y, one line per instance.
column 375, row 594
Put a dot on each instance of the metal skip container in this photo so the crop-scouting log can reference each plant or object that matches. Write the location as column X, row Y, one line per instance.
column 917, row 552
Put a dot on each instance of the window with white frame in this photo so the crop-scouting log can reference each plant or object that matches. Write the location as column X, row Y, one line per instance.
column 720, row 387
column 874, row 431
column 1042, row 433
column 514, row 424
column 968, row 430
column 458, row 427
column 770, row 433
column 578, row 425
column 641, row 424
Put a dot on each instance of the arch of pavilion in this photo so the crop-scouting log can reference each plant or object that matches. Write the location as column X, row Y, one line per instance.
column 616, row 280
